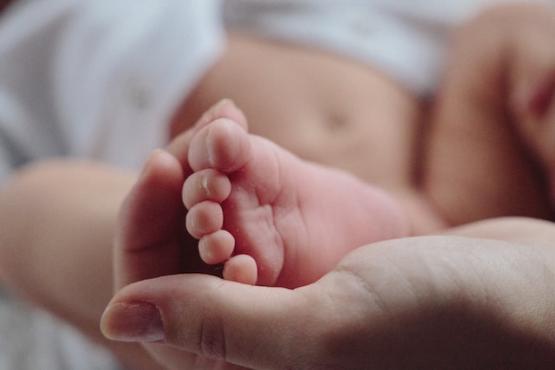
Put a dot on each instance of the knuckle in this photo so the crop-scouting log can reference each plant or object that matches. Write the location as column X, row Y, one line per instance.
column 206, row 338
column 211, row 338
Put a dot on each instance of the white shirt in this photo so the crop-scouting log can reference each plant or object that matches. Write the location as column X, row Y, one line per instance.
column 98, row 79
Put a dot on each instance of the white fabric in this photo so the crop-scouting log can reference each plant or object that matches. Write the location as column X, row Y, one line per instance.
column 404, row 38
column 99, row 79
column 32, row 340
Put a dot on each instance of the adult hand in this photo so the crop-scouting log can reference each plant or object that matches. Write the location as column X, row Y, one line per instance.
column 428, row 302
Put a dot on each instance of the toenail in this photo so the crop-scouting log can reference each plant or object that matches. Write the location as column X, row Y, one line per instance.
column 222, row 144
column 210, row 147
column 214, row 137
column 221, row 103
column 204, row 185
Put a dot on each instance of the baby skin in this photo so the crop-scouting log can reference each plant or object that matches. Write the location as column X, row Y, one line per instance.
column 270, row 217
column 492, row 132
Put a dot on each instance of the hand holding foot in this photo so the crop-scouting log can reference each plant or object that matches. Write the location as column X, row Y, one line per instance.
column 254, row 206
column 410, row 302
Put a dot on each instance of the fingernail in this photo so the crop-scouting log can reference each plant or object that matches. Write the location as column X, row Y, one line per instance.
column 133, row 322
column 148, row 162
column 158, row 158
column 224, row 101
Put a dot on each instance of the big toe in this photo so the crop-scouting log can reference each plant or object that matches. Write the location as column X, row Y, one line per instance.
column 223, row 145
column 224, row 109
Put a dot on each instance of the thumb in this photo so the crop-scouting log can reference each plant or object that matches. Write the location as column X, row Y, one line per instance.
column 252, row 326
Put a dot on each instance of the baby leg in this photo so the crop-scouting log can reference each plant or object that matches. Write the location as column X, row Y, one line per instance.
column 56, row 245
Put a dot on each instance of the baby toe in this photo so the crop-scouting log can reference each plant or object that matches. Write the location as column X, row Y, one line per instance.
column 183, row 134
column 216, row 247
column 204, row 218
column 225, row 108
column 222, row 145
column 242, row 269
column 204, row 185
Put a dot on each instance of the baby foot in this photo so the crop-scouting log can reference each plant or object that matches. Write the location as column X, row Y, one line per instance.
column 272, row 218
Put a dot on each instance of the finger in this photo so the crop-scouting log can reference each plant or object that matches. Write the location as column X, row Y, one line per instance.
column 246, row 325
column 150, row 219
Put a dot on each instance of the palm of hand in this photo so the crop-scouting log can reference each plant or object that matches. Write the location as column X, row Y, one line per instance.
column 429, row 302
column 434, row 302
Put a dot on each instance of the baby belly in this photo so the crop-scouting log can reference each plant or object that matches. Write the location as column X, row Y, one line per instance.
column 322, row 107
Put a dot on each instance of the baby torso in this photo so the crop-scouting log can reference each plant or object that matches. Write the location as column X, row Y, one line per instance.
column 322, row 107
